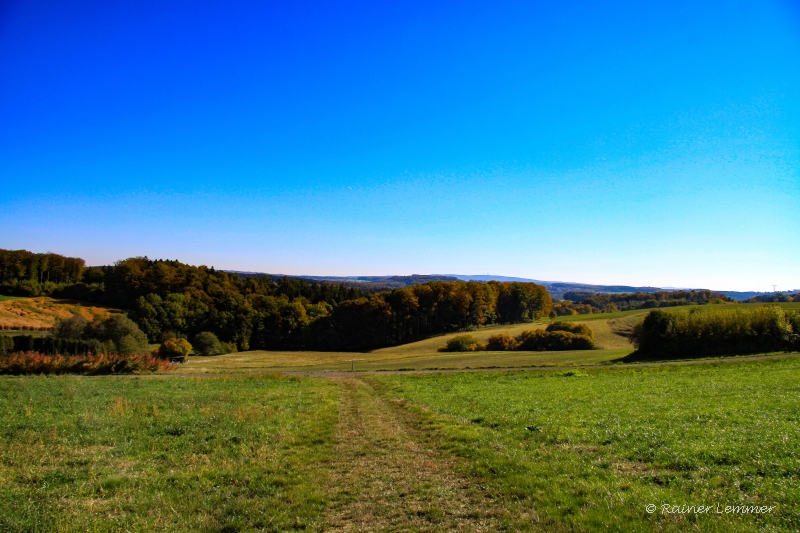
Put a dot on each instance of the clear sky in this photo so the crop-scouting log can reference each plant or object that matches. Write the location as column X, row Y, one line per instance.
column 640, row 143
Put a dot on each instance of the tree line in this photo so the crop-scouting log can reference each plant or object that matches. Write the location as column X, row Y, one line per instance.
column 26, row 273
column 584, row 302
column 775, row 297
column 698, row 332
column 169, row 298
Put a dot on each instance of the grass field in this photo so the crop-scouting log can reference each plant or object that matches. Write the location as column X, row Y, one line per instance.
column 155, row 454
column 263, row 361
column 40, row 314
column 541, row 450
column 589, row 451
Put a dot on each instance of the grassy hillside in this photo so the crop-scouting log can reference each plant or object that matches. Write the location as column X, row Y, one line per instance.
column 261, row 361
column 417, row 355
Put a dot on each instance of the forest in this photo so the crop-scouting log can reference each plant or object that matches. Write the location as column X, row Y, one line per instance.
column 698, row 332
column 169, row 298
column 26, row 273
column 585, row 302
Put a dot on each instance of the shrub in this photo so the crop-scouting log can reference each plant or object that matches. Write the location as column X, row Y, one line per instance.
column 120, row 332
column 37, row 363
column 71, row 328
column 174, row 348
column 54, row 345
column 569, row 327
column 712, row 331
column 206, row 343
column 463, row 343
column 501, row 342
column 6, row 345
column 228, row 347
column 563, row 309
column 541, row 340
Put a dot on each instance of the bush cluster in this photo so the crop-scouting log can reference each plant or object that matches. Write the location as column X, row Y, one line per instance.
column 115, row 334
column 206, row 343
column 558, row 336
column 50, row 345
column 37, row 363
column 462, row 343
column 700, row 332
column 541, row 340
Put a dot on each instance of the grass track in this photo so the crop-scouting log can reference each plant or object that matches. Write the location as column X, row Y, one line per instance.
column 387, row 477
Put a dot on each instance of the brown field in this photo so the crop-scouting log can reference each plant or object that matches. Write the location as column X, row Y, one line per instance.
column 40, row 314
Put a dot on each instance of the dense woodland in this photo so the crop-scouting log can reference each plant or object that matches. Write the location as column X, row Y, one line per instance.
column 27, row 273
column 584, row 302
column 171, row 298
column 698, row 332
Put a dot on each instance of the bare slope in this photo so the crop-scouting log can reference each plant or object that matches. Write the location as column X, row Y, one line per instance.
column 40, row 314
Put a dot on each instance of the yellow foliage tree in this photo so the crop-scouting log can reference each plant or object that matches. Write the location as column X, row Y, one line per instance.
column 174, row 348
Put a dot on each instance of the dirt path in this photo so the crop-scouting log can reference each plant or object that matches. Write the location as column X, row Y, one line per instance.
column 385, row 478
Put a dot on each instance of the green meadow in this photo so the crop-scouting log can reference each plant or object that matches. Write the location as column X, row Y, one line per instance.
column 590, row 449
column 159, row 454
column 538, row 450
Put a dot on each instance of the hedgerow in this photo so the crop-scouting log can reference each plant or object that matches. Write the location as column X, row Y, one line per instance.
column 700, row 332
column 37, row 363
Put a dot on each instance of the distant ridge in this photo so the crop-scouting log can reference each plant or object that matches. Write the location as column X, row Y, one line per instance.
column 369, row 283
column 558, row 288
column 555, row 288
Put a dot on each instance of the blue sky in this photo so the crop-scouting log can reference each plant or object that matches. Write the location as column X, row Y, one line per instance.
column 637, row 143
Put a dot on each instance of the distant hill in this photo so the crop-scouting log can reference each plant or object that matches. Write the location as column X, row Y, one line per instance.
column 555, row 288
column 737, row 295
column 558, row 288
column 367, row 283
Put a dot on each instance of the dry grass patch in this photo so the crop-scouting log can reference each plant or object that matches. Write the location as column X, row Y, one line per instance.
column 41, row 314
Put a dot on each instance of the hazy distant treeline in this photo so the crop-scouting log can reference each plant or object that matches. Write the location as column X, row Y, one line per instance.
column 165, row 297
column 774, row 297
column 584, row 302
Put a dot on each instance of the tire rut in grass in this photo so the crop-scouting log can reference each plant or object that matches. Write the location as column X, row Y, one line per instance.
column 384, row 478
